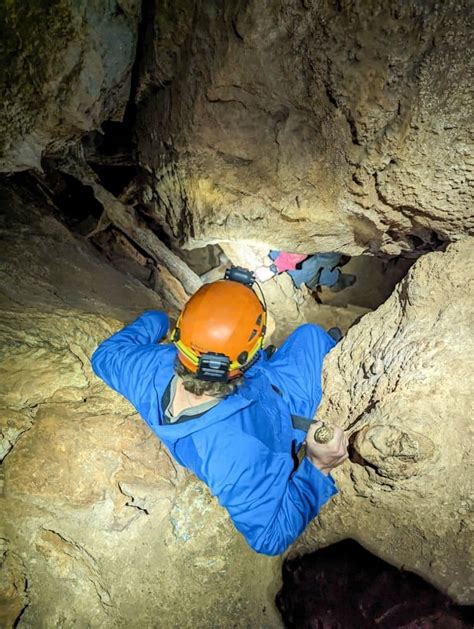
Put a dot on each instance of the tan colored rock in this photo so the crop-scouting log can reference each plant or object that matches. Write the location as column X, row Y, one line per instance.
column 98, row 526
column 112, row 532
column 43, row 266
column 310, row 126
column 12, row 425
column 401, row 384
column 13, row 586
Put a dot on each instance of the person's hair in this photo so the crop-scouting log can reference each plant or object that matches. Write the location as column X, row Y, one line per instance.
column 194, row 385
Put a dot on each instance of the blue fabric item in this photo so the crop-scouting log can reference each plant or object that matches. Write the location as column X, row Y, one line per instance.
column 318, row 268
column 242, row 446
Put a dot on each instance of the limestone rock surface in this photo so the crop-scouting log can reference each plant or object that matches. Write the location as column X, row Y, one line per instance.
column 401, row 384
column 308, row 125
column 67, row 68
column 43, row 266
column 98, row 526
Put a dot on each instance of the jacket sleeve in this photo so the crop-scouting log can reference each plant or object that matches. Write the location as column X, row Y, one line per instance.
column 128, row 359
column 269, row 503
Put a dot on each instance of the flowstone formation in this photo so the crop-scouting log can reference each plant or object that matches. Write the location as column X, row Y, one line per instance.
column 318, row 126
column 401, row 384
column 98, row 526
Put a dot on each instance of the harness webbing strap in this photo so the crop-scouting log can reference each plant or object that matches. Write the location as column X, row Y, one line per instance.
column 301, row 423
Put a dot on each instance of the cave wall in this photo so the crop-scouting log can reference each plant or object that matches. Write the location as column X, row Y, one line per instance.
column 401, row 384
column 309, row 125
column 67, row 69
column 98, row 526
column 306, row 125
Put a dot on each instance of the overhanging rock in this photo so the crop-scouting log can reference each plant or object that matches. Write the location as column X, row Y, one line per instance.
column 311, row 126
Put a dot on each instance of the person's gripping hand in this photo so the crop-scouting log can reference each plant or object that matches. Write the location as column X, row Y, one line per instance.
column 264, row 273
column 326, row 456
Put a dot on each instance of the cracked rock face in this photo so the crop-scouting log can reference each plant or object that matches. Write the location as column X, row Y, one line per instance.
column 67, row 69
column 310, row 125
column 98, row 526
column 401, row 384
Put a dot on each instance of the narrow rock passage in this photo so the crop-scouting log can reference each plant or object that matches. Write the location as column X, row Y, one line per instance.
column 134, row 132
column 98, row 526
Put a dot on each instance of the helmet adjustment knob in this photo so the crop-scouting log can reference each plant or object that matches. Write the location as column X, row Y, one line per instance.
column 242, row 358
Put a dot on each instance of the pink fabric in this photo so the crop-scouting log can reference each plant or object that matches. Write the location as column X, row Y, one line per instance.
column 288, row 261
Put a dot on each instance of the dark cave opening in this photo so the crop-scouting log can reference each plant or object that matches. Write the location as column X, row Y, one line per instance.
column 76, row 206
column 111, row 154
column 376, row 278
column 114, row 178
column 70, row 201
column 73, row 203
column 344, row 586
column 113, row 143
column 420, row 240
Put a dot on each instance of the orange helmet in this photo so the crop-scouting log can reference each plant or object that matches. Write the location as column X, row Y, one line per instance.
column 220, row 330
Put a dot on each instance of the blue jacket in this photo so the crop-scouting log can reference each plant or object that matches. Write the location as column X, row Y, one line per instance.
column 242, row 447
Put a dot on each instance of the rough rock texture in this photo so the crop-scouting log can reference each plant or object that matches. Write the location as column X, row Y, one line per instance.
column 401, row 384
column 43, row 266
column 98, row 526
column 304, row 124
column 310, row 125
column 67, row 68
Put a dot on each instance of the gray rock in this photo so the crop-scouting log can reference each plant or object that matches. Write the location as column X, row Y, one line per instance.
column 67, row 69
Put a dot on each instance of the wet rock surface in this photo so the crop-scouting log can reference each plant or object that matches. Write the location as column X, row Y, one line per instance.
column 400, row 383
column 345, row 587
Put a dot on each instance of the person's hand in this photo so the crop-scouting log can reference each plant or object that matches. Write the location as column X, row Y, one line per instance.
column 326, row 456
column 263, row 273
